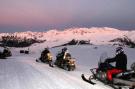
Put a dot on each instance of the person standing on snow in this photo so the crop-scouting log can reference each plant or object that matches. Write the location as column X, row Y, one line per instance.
column 121, row 63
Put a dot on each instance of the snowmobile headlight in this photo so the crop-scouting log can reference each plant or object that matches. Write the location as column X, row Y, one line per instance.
column 72, row 61
column 72, row 64
column 101, row 75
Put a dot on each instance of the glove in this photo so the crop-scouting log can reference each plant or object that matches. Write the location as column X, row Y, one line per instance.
column 106, row 61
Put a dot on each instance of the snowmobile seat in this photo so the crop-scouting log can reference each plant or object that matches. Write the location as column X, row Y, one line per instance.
column 104, row 66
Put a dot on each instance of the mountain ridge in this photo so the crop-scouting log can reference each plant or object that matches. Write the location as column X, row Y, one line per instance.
column 95, row 35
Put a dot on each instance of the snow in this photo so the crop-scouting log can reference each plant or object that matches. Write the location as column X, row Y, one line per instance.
column 22, row 72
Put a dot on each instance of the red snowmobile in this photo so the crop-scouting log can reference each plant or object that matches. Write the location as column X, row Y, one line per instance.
column 121, row 80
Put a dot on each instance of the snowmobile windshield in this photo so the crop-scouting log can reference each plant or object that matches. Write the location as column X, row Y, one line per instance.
column 103, row 57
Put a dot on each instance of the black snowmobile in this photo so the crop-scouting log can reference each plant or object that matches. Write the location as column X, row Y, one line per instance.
column 7, row 53
column 121, row 80
column 46, row 58
column 68, row 63
column 2, row 56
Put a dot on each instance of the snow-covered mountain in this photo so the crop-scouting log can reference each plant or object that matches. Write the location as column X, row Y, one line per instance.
column 94, row 35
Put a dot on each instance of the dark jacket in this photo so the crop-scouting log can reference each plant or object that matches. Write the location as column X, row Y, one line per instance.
column 121, row 61
column 45, row 51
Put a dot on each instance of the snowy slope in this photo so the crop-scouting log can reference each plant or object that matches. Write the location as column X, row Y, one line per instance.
column 22, row 72
column 95, row 35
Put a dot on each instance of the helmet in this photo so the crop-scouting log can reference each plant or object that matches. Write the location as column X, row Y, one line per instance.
column 64, row 49
column 46, row 48
column 119, row 50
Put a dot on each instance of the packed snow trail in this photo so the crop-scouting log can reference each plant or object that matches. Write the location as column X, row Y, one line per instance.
column 23, row 72
column 27, row 74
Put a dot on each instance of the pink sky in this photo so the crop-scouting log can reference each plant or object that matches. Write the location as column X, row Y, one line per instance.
column 67, row 13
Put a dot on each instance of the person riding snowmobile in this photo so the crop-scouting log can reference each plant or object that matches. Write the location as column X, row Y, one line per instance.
column 46, row 55
column 64, row 60
column 118, row 76
column 62, row 54
column 121, row 63
column 65, row 54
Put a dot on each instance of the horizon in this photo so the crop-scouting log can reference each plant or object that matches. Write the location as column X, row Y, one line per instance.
column 44, row 15
column 92, row 28
column 46, row 30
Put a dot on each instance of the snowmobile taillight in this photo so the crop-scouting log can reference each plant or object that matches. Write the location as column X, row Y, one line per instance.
column 96, row 69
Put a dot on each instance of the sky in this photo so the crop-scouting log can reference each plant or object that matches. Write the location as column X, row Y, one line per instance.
column 43, row 15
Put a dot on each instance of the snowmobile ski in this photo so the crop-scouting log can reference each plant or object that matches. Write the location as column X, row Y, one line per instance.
column 87, row 80
column 50, row 64
column 92, row 83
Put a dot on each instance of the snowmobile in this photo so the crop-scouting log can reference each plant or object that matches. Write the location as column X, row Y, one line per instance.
column 46, row 59
column 68, row 63
column 6, row 53
column 2, row 56
column 121, row 80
